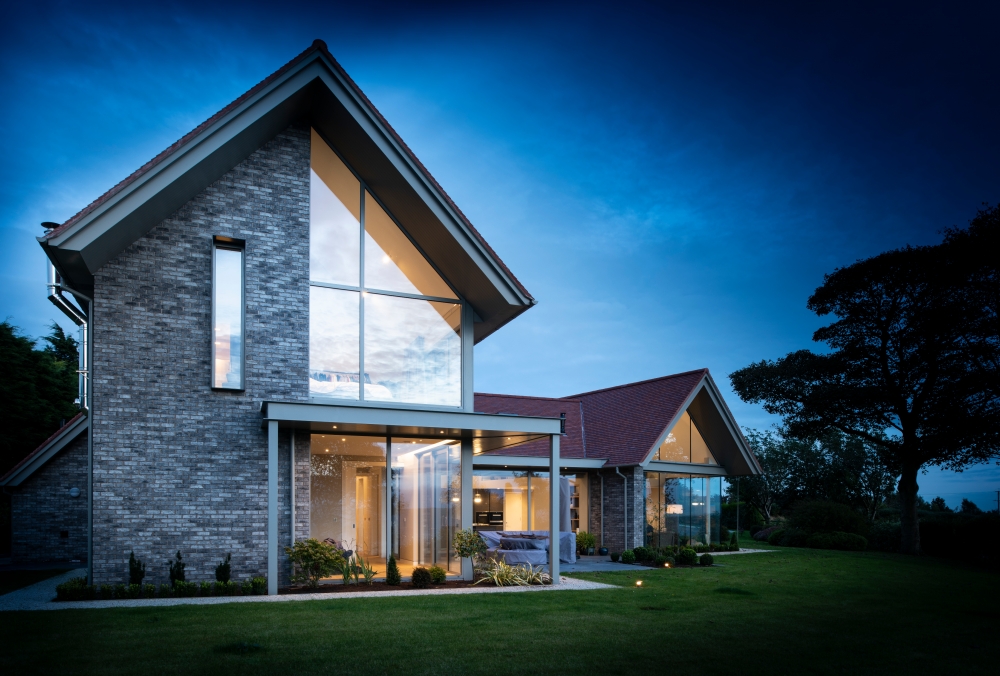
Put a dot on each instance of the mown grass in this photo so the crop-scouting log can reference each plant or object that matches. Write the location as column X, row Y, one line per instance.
column 790, row 611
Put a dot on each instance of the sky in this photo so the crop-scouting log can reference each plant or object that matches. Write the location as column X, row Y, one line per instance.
column 671, row 181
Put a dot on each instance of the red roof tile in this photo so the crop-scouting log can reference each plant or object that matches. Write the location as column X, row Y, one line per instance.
column 320, row 46
column 570, row 446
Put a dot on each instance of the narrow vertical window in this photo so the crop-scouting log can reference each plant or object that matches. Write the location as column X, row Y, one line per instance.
column 227, row 314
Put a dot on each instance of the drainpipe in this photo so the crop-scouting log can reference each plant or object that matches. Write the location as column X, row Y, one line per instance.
column 625, row 503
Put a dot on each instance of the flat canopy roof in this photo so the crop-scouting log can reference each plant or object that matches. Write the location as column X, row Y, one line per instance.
column 486, row 431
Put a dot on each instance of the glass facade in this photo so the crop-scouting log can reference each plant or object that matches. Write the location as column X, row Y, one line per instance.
column 368, row 342
column 518, row 500
column 685, row 444
column 682, row 509
column 227, row 317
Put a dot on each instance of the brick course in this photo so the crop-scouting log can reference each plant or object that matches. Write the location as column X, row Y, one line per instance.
column 178, row 466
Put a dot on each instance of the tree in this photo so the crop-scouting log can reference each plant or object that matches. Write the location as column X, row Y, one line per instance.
column 763, row 491
column 938, row 505
column 969, row 507
column 37, row 390
column 912, row 366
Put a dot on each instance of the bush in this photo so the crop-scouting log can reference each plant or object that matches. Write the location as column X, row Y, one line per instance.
column 184, row 589
column 734, row 544
column 119, row 591
column 584, row 541
column 775, row 535
column 723, row 534
column 885, row 536
column 764, row 534
column 246, row 589
column 438, row 575
column 258, row 586
column 229, row 588
column 469, row 544
column 148, row 591
column 754, row 529
column 392, row 576
column 643, row 554
column 420, row 578
column 133, row 591
column 313, row 560
column 223, row 570
column 706, row 560
column 659, row 561
column 615, row 556
column 671, row 561
column 136, row 569
column 177, row 570
column 205, row 588
column 628, row 556
column 822, row 516
column 165, row 591
column 789, row 537
column 687, row 557
column 749, row 516
column 848, row 542
column 75, row 589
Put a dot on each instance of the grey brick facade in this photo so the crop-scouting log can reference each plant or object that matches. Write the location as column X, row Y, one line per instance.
column 614, row 503
column 43, row 511
column 178, row 466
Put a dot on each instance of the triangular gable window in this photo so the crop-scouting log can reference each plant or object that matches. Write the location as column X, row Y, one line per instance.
column 685, row 444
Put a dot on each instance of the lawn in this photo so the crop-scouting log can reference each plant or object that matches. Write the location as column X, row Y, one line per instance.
column 16, row 579
column 790, row 611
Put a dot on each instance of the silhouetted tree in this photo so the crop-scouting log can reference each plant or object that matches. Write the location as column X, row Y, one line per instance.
column 913, row 366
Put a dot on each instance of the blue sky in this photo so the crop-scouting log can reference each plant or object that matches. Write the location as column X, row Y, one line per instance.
column 671, row 181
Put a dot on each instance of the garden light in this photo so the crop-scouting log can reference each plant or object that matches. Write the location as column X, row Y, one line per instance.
column 638, row 583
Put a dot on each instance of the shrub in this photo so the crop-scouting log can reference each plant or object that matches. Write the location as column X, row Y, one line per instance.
column 671, row 561
column 614, row 556
column 105, row 592
column 177, row 570
column 764, row 534
column 133, row 591
column 659, row 561
column 136, row 569
column 184, row 589
column 246, row 589
column 500, row 573
column 775, row 536
column 822, row 516
column 584, row 541
column 848, row 542
column 754, row 529
column 706, row 560
column 312, row 560
column 734, row 544
column 148, row 591
column 119, row 591
column 792, row 537
column 438, row 575
column 642, row 554
column 365, row 569
column 165, row 591
column 75, row 589
column 628, row 556
column 258, row 585
column 223, row 570
column 687, row 557
column 205, row 588
column 723, row 534
column 885, row 536
column 225, row 589
column 392, row 576
column 469, row 544
column 421, row 578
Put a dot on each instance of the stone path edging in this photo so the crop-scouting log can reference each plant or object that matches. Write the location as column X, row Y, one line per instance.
column 39, row 596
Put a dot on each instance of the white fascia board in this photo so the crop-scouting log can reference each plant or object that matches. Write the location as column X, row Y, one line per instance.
column 666, row 432
column 684, row 468
column 39, row 461
column 731, row 425
column 494, row 461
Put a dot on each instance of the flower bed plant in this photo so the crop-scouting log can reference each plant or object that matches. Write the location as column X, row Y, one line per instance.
column 77, row 589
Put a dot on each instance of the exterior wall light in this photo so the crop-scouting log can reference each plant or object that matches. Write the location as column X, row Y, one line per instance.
column 74, row 492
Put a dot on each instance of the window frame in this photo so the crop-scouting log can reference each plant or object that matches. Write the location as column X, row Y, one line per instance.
column 230, row 244
column 363, row 290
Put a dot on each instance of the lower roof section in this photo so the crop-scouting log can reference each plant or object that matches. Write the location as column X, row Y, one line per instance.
column 487, row 432
column 49, row 448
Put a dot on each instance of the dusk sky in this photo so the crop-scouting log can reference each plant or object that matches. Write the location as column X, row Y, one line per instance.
column 670, row 181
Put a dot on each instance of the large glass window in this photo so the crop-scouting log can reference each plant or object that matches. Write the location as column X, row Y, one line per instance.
column 408, row 346
column 426, row 502
column 347, row 493
column 515, row 500
column 682, row 509
column 227, row 315
column 685, row 444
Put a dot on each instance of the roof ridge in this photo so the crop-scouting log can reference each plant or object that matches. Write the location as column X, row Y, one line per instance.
column 638, row 382
column 26, row 459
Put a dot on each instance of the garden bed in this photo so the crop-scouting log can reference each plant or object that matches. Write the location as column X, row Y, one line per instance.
column 381, row 586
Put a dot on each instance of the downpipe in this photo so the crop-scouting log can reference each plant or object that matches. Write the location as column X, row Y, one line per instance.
column 55, row 289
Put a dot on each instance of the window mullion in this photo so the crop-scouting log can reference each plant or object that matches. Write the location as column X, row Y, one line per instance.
column 361, row 301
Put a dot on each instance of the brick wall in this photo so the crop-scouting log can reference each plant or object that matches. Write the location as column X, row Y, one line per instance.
column 177, row 465
column 42, row 509
column 614, row 507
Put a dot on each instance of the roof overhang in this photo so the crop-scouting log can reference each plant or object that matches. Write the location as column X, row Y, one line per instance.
column 313, row 90
column 718, row 427
column 521, row 462
column 485, row 431
column 46, row 452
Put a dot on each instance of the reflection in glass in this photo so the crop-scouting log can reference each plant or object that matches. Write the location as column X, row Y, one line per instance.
column 334, row 218
column 227, row 331
column 426, row 503
column 512, row 500
column 685, row 444
column 682, row 509
column 347, row 493
column 412, row 351
column 392, row 262
column 334, row 349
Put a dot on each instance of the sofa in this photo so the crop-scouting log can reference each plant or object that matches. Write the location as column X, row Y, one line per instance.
column 519, row 547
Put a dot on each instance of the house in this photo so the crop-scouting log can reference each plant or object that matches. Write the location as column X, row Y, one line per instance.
column 279, row 313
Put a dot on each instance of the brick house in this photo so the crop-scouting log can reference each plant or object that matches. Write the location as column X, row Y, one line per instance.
column 279, row 313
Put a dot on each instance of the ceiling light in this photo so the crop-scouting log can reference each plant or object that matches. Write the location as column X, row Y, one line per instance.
column 454, row 499
column 477, row 499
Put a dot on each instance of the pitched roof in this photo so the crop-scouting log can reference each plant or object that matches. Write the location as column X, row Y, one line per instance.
column 620, row 424
column 317, row 51
column 34, row 460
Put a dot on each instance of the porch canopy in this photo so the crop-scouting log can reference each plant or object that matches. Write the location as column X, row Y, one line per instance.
column 478, row 432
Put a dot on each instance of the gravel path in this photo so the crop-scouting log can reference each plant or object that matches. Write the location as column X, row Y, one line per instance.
column 39, row 596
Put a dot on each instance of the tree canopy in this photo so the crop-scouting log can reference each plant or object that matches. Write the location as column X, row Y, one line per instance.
column 38, row 388
column 912, row 363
